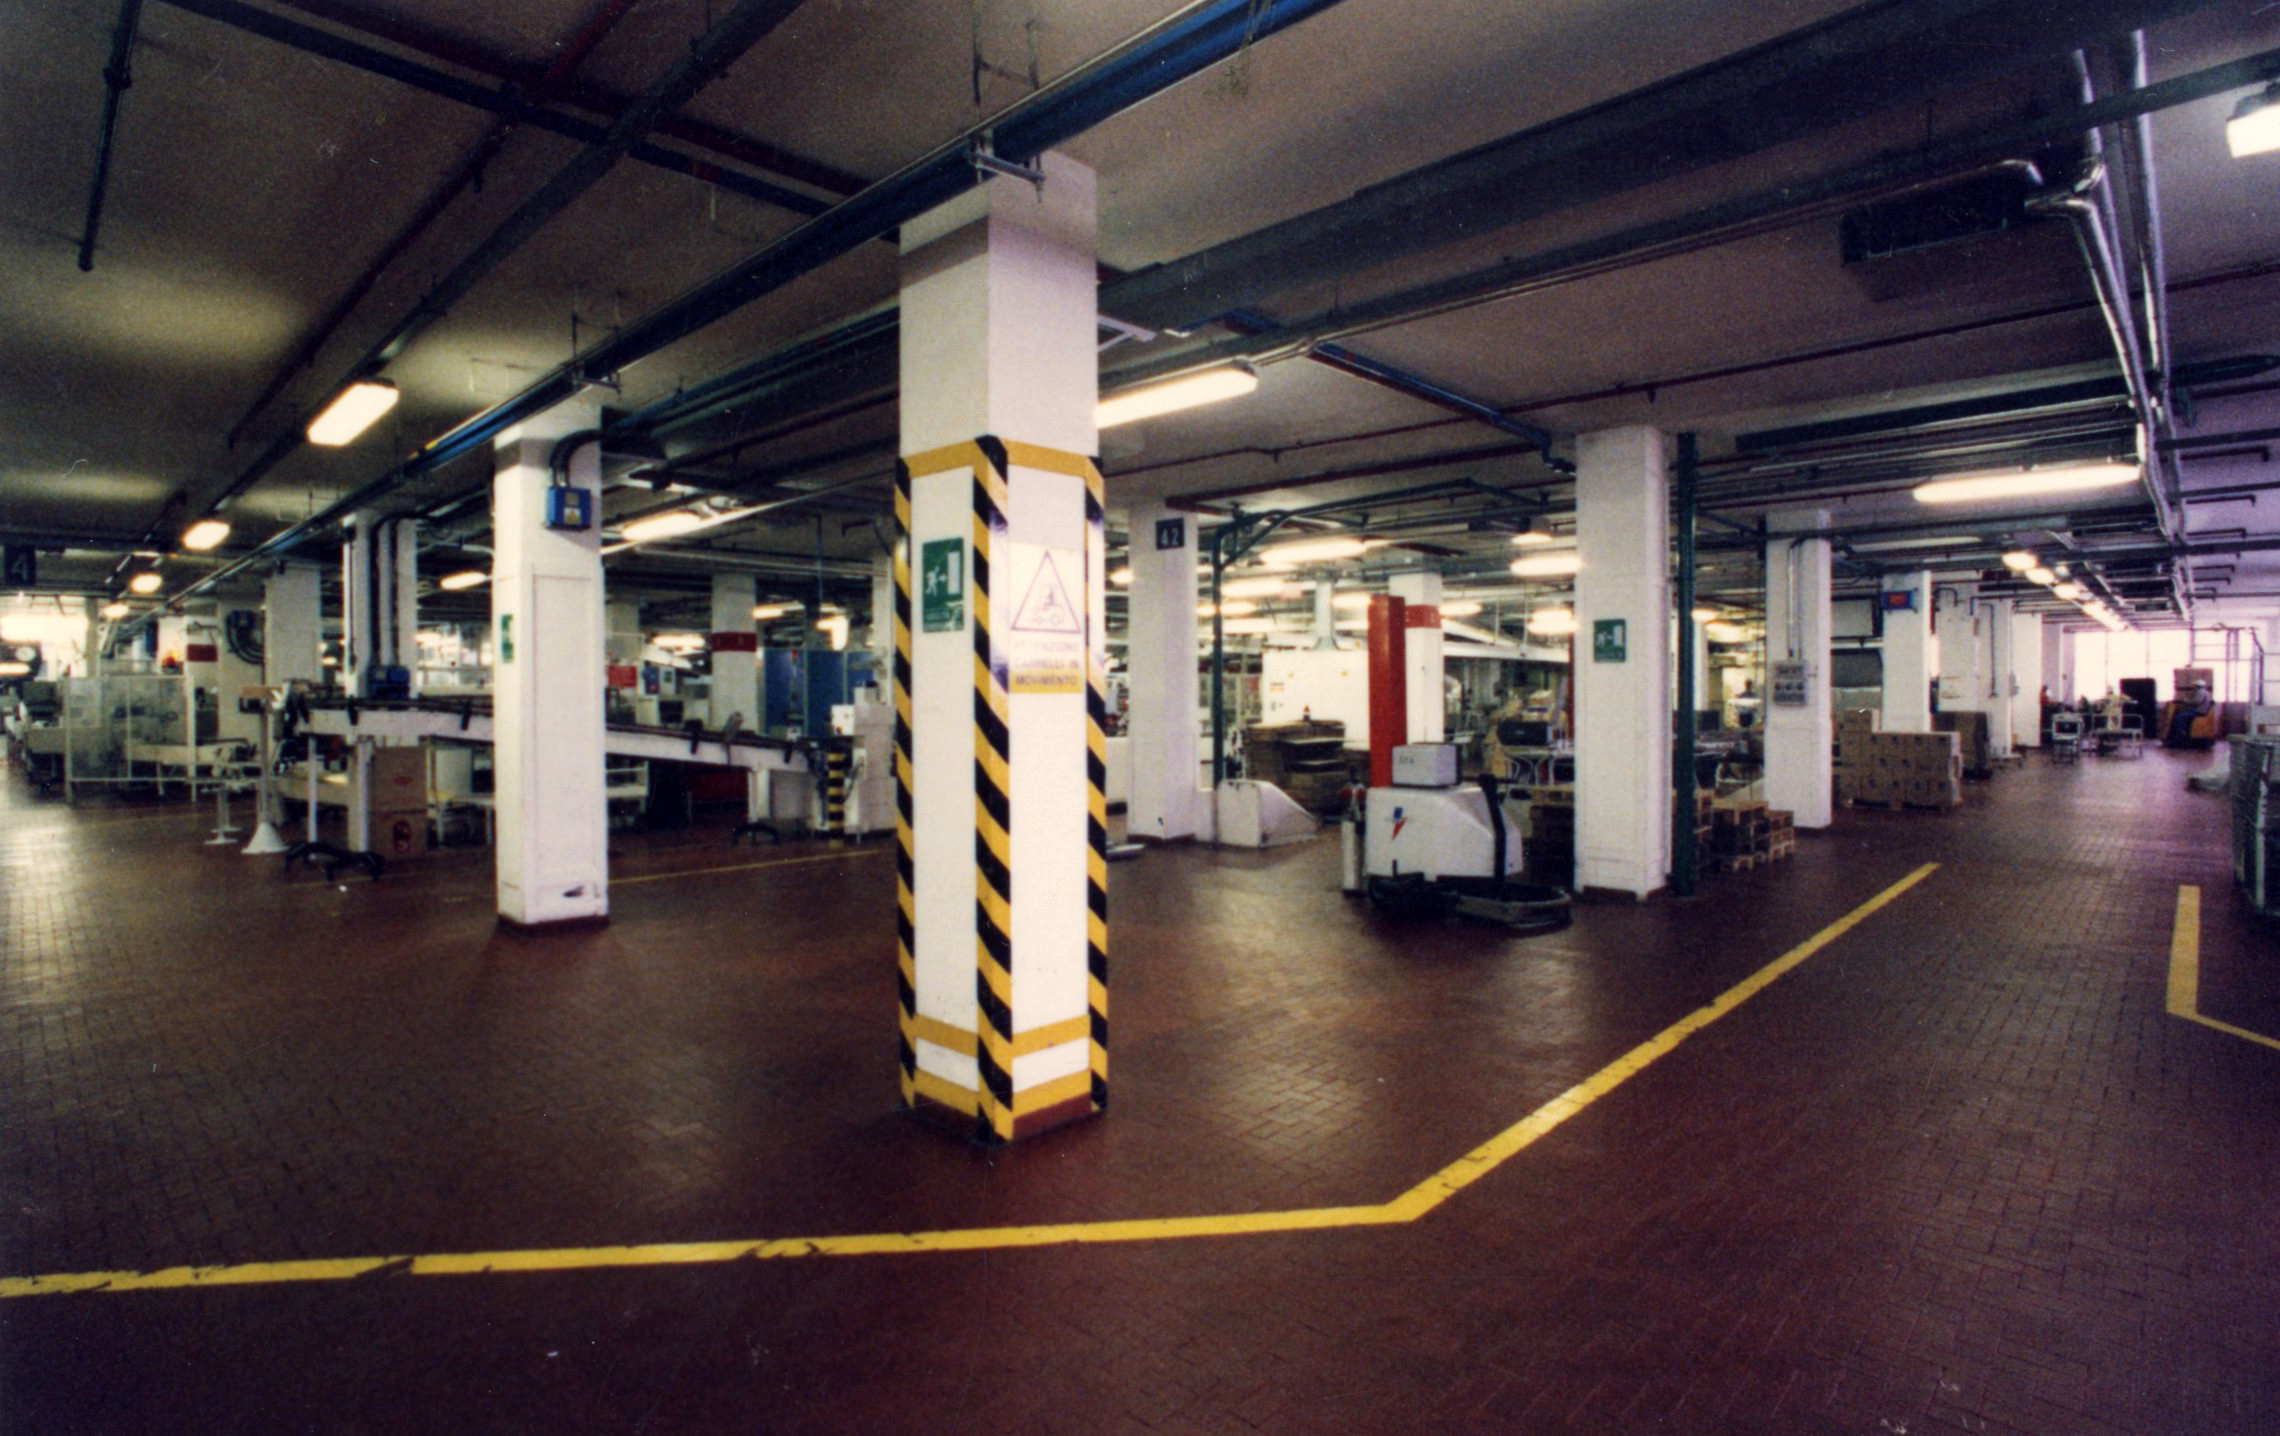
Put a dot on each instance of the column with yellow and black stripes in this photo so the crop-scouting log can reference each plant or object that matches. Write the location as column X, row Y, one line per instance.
column 1003, row 926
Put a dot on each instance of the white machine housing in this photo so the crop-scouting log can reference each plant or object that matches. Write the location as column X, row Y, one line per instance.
column 1425, row 765
column 870, row 795
column 1435, row 832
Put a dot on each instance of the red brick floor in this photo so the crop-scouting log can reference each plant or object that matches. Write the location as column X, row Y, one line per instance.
column 1959, row 1172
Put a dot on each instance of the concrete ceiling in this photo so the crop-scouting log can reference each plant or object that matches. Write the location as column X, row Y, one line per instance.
column 251, row 183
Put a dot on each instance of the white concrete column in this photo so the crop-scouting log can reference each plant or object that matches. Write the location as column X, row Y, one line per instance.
column 1799, row 767
column 1325, row 613
column 546, row 624
column 1701, row 695
column 1908, row 656
column 1958, row 624
column 2002, row 675
column 2026, row 670
column 1004, row 552
column 1622, row 661
column 735, row 652
column 2066, row 670
column 292, row 626
column 882, row 635
column 1160, row 669
column 1428, row 706
column 359, row 632
column 399, row 598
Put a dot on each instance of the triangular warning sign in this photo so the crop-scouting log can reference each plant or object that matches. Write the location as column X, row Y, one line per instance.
column 1046, row 608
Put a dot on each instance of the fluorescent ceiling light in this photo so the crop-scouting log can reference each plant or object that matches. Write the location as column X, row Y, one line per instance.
column 1462, row 608
column 1548, row 565
column 116, row 610
column 2019, row 560
column 1890, row 545
column 1271, row 586
column 1353, row 625
column 466, row 578
column 2025, row 483
column 2041, row 575
column 1704, row 615
column 1726, row 632
column 14, row 668
column 205, row 534
column 1534, row 536
column 1122, row 577
column 2254, row 128
column 1552, row 622
column 145, row 582
column 1206, row 386
column 359, row 406
column 1329, row 550
column 1232, row 608
column 1248, row 627
column 763, row 612
column 679, row 642
column 2070, row 591
column 662, row 526
column 1350, row 601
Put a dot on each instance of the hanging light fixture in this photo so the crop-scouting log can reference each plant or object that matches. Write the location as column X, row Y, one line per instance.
column 1548, row 565
column 465, row 579
column 146, row 582
column 205, row 534
column 355, row 409
column 1552, row 622
column 2018, row 560
column 116, row 609
column 2024, row 483
column 1188, row 391
column 1327, row 550
column 1536, row 535
column 2254, row 128
column 670, row 524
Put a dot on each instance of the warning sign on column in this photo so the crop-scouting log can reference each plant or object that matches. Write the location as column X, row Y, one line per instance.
column 1045, row 649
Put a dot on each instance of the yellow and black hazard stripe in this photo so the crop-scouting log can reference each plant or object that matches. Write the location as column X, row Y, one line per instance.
column 906, row 898
column 993, row 812
column 1096, row 802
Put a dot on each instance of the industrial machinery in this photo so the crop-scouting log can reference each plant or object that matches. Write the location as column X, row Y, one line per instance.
column 1420, row 841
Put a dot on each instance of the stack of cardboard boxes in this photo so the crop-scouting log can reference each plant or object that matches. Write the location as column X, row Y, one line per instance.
column 1893, row 770
column 1972, row 740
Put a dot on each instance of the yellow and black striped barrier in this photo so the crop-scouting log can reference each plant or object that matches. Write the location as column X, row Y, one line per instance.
column 1096, row 800
column 838, row 757
column 906, row 900
column 993, row 812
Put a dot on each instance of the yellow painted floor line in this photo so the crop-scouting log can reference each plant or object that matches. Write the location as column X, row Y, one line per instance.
column 752, row 867
column 2185, row 971
column 1408, row 1207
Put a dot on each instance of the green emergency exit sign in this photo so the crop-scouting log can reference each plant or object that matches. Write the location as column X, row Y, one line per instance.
column 1609, row 641
column 942, row 585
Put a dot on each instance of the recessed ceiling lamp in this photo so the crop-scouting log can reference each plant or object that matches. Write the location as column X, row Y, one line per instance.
column 356, row 409
column 2254, row 128
column 666, row 525
column 465, row 579
column 205, row 534
column 2018, row 560
column 1188, row 391
column 1121, row 577
column 2024, row 483
column 116, row 610
column 1462, row 608
column 761, row 613
column 1536, row 535
column 1552, row 622
column 1328, row 550
column 146, row 582
column 2041, row 575
column 1547, row 565
column 2070, row 591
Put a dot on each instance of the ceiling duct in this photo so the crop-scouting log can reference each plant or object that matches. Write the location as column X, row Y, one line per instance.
column 1974, row 234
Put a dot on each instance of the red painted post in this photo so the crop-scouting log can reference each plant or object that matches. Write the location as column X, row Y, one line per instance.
column 1389, row 685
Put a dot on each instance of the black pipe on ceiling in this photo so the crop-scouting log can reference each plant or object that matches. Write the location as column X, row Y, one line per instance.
column 117, row 76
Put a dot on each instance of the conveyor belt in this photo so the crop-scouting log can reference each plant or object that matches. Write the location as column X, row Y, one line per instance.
column 463, row 720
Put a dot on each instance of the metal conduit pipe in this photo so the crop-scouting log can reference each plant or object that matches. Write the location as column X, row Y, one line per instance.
column 1190, row 40
column 718, row 48
column 117, row 76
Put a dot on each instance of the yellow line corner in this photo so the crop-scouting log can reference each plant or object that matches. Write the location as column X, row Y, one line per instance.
column 2185, row 970
column 1409, row 1206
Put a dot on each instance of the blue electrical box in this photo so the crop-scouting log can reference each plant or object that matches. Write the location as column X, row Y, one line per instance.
column 568, row 507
